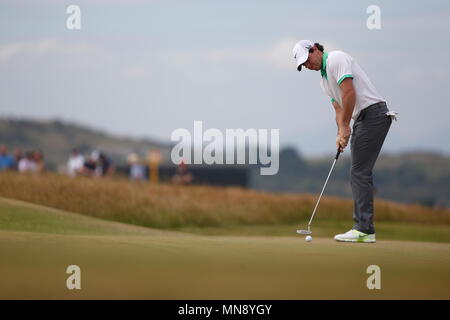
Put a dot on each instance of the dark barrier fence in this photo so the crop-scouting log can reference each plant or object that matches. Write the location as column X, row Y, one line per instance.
column 220, row 175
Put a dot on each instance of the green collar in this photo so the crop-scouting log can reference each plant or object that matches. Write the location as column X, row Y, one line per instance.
column 323, row 71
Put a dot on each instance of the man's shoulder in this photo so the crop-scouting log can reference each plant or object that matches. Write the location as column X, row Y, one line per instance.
column 338, row 56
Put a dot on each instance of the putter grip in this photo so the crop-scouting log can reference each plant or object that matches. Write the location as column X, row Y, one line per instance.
column 337, row 154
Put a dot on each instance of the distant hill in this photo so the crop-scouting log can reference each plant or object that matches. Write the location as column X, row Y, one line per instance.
column 415, row 177
column 56, row 139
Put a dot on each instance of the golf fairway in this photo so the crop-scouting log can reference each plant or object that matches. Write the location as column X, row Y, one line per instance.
column 120, row 261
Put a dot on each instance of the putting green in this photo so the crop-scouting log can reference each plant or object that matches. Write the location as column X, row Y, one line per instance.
column 127, row 262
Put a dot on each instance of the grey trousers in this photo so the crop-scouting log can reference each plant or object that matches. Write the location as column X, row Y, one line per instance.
column 369, row 132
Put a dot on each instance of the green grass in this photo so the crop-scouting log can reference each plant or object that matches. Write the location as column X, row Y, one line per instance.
column 22, row 216
column 120, row 261
column 328, row 228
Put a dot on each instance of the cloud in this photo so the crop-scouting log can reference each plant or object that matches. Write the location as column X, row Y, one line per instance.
column 439, row 22
column 45, row 46
column 278, row 54
column 135, row 72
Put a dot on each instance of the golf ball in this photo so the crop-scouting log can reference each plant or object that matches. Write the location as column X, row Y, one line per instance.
column 308, row 239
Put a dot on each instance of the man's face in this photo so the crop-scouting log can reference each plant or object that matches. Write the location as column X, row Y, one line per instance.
column 314, row 61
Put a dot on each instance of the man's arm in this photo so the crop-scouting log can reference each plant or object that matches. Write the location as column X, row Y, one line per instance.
column 344, row 116
column 348, row 102
column 338, row 110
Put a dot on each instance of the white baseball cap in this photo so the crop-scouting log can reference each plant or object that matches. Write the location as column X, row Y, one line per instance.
column 301, row 52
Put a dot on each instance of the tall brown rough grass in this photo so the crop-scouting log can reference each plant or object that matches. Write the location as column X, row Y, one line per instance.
column 170, row 206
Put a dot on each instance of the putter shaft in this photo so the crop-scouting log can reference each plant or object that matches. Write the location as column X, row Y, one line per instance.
column 320, row 196
column 318, row 200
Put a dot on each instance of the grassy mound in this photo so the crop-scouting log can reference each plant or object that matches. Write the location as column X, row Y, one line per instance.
column 16, row 215
column 169, row 206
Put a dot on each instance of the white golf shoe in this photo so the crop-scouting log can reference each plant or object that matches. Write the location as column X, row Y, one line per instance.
column 355, row 236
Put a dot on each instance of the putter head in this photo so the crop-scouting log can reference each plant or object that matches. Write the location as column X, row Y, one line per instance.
column 304, row 232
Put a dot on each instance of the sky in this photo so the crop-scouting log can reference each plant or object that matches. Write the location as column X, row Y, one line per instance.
column 146, row 68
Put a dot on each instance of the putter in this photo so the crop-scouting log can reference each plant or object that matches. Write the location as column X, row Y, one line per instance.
column 308, row 232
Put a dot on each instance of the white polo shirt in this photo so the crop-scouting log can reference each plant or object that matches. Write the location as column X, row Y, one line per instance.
column 337, row 66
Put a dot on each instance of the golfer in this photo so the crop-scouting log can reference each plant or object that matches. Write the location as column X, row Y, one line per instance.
column 353, row 96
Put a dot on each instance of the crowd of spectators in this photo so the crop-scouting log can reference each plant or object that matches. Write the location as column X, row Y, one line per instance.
column 30, row 161
column 97, row 164
column 139, row 169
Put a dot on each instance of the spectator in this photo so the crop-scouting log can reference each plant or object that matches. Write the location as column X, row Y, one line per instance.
column 27, row 164
column 18, row 155
column 102, row 167
column 75, row 163
column 97, row 165
column 182, row 176
column 137, row 169
column 89, row 167
column 39, row 161
column 6, row 161
column 105, row 166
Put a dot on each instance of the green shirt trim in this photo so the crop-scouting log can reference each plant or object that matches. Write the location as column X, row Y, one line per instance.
column 343, row 78
column 323, row 70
